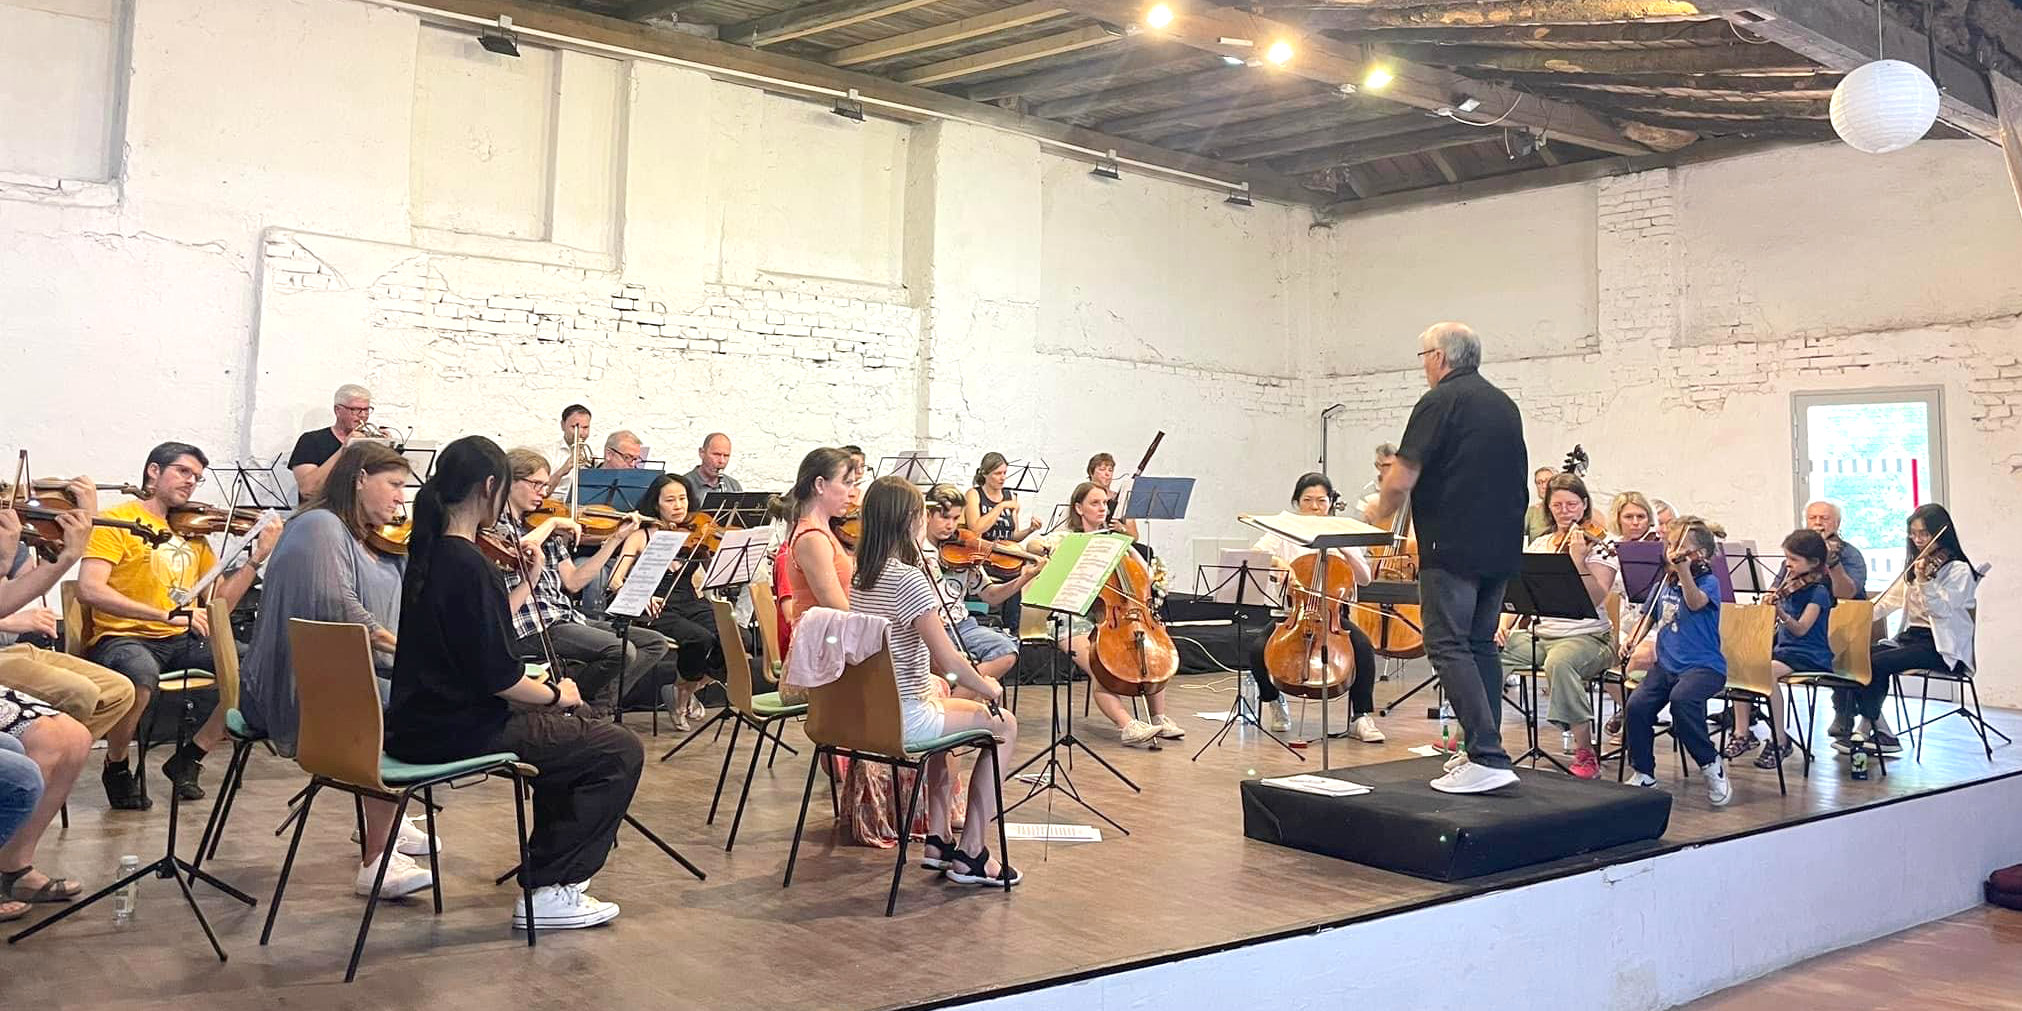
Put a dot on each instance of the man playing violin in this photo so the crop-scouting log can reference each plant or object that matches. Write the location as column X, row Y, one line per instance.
column 139, row 628
column 90, row 694
column 1570, row 651
column 316, row 451
column 544, row 614
column 993, row 652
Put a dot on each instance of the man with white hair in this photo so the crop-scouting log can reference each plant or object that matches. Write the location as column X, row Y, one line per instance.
column 623, row 451
column 316, row 451
column 1462, row 461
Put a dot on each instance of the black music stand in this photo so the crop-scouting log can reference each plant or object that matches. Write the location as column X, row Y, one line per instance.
column 1053, row 773
column 736, row 510
column 1242, row 585
column 1642, row 566
column 1741, row 571
column 1025, row 477
column 1547, row 586
column 915, row 466
column 621, row 623
column 610, row 486
column 1158, row 498
column 255, row 484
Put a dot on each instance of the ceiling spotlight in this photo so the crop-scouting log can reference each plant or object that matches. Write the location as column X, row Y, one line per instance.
column 1279, row 53
column 1378, row 78
column 1240, row 196
column 1107, row 168
column 501, row 42
column 849, row 107
column 1231, row 40
column 1233, row 61
column 1468, row 104
column 1159, row 16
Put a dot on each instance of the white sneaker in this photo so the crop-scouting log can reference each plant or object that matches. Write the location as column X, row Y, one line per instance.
column 1455, row 761
column 1138, row 733
column 1718, row 790
column 403, row 877
column 1472, row 778
column 564, row 907
column 1278, row 715
column 1642, row 779
column 1168, row 729
column 413, row 839
column 1364, row 730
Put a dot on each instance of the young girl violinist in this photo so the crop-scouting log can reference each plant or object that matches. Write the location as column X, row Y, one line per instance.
column 1940, row 595
column 1689, row 668
column 1803, row 601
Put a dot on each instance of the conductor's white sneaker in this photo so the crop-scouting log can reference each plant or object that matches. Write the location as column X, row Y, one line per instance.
column 1473, row 778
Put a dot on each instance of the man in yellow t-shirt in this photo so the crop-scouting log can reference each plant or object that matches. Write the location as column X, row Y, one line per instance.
column 137, row 627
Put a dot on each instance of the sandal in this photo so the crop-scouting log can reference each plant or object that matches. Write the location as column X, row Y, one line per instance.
column 937, row 853
column 1739, row 745
column 975, row 870
column 12, row 910
column 52, row 890
column 1773, row 756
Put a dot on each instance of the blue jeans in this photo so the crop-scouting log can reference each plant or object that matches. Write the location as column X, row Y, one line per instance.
column 1687, row 693
column 20, row 786
column 1460, row 613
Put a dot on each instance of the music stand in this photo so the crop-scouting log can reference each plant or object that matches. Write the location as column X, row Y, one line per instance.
column 1025, row 477
column 1251, row 582
column 420, row 458
column 1642, row 567
column 610, row 486
column 1324, row 534
column 1547, row 586
column 1740, row 571
column 256, row 484
column 632, row 598
column 735, row 510
column 1158, row 498
column 1066, row 586
column 915, row 466
column 735, row 561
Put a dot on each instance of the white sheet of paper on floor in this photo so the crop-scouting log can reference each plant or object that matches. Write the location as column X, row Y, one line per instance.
column 1025, row 831
column 1035, row 778
column 1325, row 786
column 1215, row 717
column 1425, row 751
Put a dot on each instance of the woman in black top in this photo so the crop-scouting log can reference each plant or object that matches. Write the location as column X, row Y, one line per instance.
column 458, row 668
column 677, row 612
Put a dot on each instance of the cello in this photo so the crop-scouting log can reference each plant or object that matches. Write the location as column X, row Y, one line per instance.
column 1309, row 654
column 1394, row 630
column 1131, row 653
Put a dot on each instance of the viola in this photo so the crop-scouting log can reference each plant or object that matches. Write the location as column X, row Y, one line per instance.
column 848, row 527
column 968, row 550
column 390, row 538
column 196, row 519
column 596, row 522
column 45, row 499
column 1131, row 653
column 1310, row 654
column 502, row 548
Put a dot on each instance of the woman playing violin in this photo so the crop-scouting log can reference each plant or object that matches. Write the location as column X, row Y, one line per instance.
column 1088, row 512
column 1940, row 596
column 1313, row 495
column 329, row 567
column 1570, row 651
column 993, row 652
column 677, row 610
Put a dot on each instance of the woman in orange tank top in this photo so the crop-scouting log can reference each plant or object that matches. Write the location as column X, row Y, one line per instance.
column 812, row 569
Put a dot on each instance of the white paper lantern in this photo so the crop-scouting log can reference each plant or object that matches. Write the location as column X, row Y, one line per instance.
column 1884, row 106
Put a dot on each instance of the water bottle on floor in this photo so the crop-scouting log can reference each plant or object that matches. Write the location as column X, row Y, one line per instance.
column 1445, row 727
column 1860, row 760
column 124, row 900
column 1565, row 742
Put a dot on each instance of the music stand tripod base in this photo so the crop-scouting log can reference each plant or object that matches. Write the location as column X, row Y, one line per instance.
column 1053, row 772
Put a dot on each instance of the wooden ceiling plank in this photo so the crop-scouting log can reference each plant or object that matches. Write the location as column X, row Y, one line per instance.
column 1333, row 136
column 640, row 10
column 1445, row 167
column 1336, row 63
column 1216, row 114
column 1488, row 14
column 1009, row 56
column 946, row 35
column 1337, row 155
column 1731, row 83
column 1212, row 82
column 1702, row 60
column 1133, row 55
column 1332, row 115
column 812, row 18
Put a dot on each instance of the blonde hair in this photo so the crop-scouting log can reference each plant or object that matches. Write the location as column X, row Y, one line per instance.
column 1624, row 499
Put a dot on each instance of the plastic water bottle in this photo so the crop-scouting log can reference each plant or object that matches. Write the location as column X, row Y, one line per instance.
column 1445, row 727
column 128, row 896
column 1565, row 742
column 1860, row 760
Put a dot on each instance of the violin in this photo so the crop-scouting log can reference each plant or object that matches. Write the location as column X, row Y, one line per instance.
column 596, row 522
column 1131, row 653
column 1790, row 586
column 196, row 519
column 46, row 498
column 501, row 547
column 848, row 527
column 390, row 538
column 705, row 535
column 1312, row 629
column 968, row 550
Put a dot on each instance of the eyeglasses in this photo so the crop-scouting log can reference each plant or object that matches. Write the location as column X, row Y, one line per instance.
column 533, row 481
column 196, row 476
column 1427, row 351
column 627, row 457
column 365, row 411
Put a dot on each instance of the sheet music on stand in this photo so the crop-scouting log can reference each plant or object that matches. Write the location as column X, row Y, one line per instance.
column 259, row 485
column 1320, row 532
column 1745, row 571
column 915, row 466
column 1023, row 477
column 737, row 509
column 654, row 560
column 420, row 456
column 736, row 559
column 1073, row 575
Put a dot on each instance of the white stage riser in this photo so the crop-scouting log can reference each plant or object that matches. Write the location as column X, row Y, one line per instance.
column 1637, row 936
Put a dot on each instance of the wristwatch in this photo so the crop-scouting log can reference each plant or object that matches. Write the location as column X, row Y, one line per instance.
column 557, row 690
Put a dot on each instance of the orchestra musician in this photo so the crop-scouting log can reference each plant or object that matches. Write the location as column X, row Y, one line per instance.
column 575, row 444
column 993, row 652
column 544, row 614
column 708, row 475
column 1538, row 518
column 315, row 451
column 1845, row 564
column 90, row 694
column 1571, row 651
column 1689, row 667
column 1803, row 599
column 1088, row 513
column 458, row 673
column 890, row 581
column 1940, row 594
column 1313, row 495
column 1663, row 513
column 1631, row 518
column 1385, row 455
column 991, row 511
column 139, row 630
column 1102, row 471
column 333, row 564
column 811, row 569
column 623, row 451
column 677, row 610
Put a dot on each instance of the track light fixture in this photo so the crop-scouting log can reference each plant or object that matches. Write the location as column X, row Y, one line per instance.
column 502, row 41
column 1107, row 168
column 1240, row 196
column 850, row 107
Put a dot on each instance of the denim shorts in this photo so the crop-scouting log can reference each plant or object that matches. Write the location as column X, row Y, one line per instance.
column 984, row 644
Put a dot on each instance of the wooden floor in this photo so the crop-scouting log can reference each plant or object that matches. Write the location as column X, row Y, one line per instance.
column 1185, row 880
column 1968, row 962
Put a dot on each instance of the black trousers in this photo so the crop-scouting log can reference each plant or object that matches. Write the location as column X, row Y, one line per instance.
column 589, row 770
column 1911, row 649
column 595, row 645
column 691, row 629
column 1361, row 691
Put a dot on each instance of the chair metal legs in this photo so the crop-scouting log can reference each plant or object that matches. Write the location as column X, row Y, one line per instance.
column 288, row 864
column 905, row 832
column 800, row 825
column 221, row 808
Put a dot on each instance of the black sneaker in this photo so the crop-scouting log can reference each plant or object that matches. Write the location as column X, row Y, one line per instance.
column 1885, row 742
column 183, row 769
column 122, row 791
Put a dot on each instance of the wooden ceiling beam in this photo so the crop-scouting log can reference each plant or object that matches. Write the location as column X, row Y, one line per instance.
column 640, row 10
column 1486, row 14
column 1040, row 48
column 1628, row 34
column 810, row 19
column 1216, row 114
column 1133, row 55
column 1335, row 63
column 1702, row 60
column 1335, row 156
column 946, row 35
column 1840, row 34
column 1332, row 136
column 1334, row 114
column 1211, row 83
column 1658, row 83
column 1445, row 167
